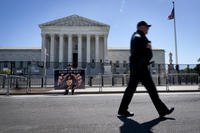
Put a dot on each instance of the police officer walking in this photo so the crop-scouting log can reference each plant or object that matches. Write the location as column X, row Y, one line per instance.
column 141, row 54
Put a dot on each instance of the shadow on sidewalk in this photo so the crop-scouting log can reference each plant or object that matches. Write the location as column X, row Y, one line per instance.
column 132, row 126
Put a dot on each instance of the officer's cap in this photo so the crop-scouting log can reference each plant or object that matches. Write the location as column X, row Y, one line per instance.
column 143, row 23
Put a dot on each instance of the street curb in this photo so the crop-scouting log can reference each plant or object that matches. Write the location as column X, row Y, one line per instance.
column 105, row 92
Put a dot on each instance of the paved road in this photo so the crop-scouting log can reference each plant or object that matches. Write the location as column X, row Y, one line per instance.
column 97, row 114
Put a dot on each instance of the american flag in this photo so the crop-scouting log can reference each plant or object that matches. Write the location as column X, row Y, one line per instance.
column 171, row 16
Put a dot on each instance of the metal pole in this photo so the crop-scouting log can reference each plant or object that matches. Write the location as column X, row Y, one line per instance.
column 167, row 82
column 8, row 87
column 100, row 85
column 199, row 82
column 45, row 69
column 27, row 86
column 175, row 37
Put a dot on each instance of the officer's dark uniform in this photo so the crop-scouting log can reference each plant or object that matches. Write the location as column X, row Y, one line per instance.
column 139, row 72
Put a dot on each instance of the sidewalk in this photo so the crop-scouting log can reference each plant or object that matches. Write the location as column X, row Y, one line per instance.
column 99, row 90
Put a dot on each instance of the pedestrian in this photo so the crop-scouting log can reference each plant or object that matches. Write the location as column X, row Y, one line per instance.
column 141, row 54
column 70, row 84
column 69, row 80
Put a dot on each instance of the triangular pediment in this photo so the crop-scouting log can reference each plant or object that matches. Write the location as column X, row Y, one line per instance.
column 73, row 20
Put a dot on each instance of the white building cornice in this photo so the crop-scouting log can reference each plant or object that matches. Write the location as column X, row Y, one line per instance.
column 75, row 30
column 73, row 20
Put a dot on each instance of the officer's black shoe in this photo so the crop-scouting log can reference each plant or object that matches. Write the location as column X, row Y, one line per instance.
column 167, row 112
column 125, row 113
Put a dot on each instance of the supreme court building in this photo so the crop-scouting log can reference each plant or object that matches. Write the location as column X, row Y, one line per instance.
column 76, row 41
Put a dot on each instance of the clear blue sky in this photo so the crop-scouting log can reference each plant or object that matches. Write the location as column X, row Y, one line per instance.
column 20, row 19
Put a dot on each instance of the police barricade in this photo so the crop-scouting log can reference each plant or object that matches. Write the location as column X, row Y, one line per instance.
column 183, row 79
column 199, row 83
column 107, row 80
column 69, row 79
column 93, row 80
column 3, row 83
column 13, row 83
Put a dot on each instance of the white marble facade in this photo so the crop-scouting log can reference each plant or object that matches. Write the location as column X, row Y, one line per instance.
column 122, row 55
column 74, row 39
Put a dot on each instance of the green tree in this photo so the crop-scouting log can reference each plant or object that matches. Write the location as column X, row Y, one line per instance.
column 198, row 60
column 197, row 68
column 5, row 72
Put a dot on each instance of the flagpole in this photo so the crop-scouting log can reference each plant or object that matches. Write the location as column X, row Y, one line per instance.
column 45, row 67
column 175, row 37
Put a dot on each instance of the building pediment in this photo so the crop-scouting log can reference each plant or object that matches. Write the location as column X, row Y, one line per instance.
column 73, row 20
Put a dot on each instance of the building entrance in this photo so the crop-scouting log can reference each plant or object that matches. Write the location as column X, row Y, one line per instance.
column 75, row 60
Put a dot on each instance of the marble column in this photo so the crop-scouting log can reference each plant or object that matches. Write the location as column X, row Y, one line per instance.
column 97, row 48
column 105, row 48
column 69, row 48
column 52, row 47
column 88, row 48
column 79, row 50
column 43, row 46
column 61, row 48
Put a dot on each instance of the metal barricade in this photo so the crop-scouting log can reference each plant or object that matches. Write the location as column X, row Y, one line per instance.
column 2, row 80
column 14, row 82
column 183, row 79
column 199, row 82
